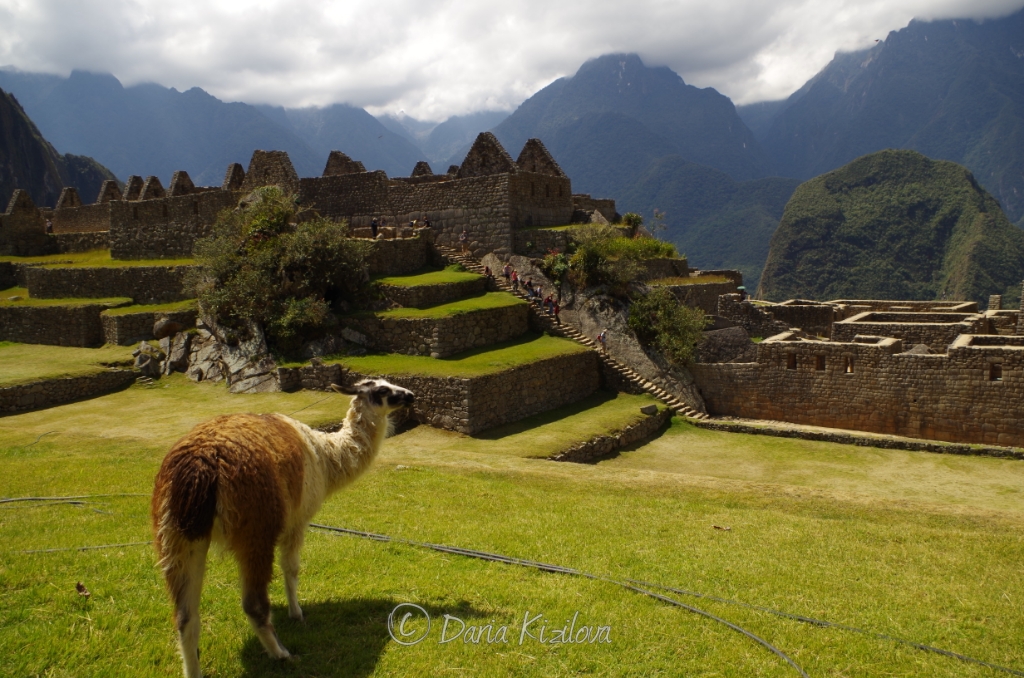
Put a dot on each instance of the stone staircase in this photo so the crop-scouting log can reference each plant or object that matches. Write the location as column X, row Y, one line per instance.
column 564, row 329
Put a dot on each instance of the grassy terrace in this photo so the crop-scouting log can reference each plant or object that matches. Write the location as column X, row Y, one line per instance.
column 23, row 363
column 153, row 308
column 480, row 302
column 919, row 546
column 451, row 274
column 699, row 280
column 26, row 300
column 497, row 358
column 94, row 258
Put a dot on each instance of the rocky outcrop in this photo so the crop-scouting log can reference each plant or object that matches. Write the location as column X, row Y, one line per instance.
column 216, row 354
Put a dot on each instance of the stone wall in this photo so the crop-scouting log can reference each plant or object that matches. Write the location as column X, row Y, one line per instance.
column 442, row 337
column 811, row 317
column 144, row 284
column 10, row 275
column 973, row 394
column 23, row 228
column 53, row 325
column 81, row 219
column 51, row 392
column 313, row 377
column 164, row 228
column 703, row 296
column 82, row 242
column 851, row 307
column 606, row 207
column 539, row 200
column 130, row 328
column 471, row 405
column 936, row 330
column 424, row 296
column 756, row 320
column 398, row 256
column 603, row 446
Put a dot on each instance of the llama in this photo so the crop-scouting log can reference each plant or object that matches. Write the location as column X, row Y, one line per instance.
column 250, row 482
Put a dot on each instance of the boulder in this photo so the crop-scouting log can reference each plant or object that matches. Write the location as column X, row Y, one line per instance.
column 731, row 344
column 649, row 410
column 177, row 351
column 204, row 359
column 165, row 327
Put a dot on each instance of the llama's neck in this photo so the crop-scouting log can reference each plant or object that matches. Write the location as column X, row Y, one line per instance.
column 352, row 449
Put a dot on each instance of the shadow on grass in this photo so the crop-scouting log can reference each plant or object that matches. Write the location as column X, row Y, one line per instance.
column 498, row 432
column 339, row 638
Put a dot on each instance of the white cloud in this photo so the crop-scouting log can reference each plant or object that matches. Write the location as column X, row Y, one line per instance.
column 435, row 58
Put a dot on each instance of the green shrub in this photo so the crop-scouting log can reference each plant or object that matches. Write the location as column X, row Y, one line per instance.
column 660, row 321
column 633, row 220
column 603, row 256
column 271, row 263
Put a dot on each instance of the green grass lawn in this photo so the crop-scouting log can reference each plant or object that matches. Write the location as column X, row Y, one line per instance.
column 853, row 535
column 100, row 258
column 481, row 302
column 25, row 300
column 22, row 363
column 495, row 358
column 451, row 274
column 153, row 308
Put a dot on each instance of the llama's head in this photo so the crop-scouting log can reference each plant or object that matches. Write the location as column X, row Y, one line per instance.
column 379, row 394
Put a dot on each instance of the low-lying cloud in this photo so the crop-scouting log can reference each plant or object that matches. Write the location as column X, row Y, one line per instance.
column 435, row 58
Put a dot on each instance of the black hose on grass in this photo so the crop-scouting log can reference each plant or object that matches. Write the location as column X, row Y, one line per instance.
column 631, row 584
column 636, row 585
column 493, row 557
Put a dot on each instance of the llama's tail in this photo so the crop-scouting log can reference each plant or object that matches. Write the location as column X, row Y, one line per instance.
column 185, row 497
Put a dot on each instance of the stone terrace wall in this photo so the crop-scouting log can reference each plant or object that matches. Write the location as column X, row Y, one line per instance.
column 82, row 242
column 703, row 296
column 53, row 325
column 144, row 284
column 130, row 328
column 51, row 392
column 424, row 296
column 83, row 219
column 757, row 321
column 472, row 405
column 399, row 256
column 165, row 228
column 942, row 397
column 604, row 445
column 937, row 330
column 442, row 337
column 811, row 317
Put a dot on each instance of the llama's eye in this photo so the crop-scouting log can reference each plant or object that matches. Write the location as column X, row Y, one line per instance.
column 383, row 391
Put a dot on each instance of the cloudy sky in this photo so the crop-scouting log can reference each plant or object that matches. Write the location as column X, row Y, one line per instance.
column 435, row 58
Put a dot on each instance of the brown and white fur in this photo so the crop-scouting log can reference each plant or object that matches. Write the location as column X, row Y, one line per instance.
column 251, row 482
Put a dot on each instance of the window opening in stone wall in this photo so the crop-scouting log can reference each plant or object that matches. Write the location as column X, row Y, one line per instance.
column 195, row 207
column 819, row 363
column 533, row 189
column 995, row 372
column 547, row 191
column 135, row 213
column 165, row 210
column 559, row 191
column 848, row 369
column 791, row 361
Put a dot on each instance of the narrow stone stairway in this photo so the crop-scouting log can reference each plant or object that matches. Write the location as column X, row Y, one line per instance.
column 564, row 329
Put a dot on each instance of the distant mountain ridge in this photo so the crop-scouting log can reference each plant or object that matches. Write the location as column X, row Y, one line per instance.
column 952, row 90
column 29, row 162
column 894, row 225
column 149, row 129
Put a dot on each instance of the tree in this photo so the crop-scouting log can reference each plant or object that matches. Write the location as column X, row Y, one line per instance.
column 278, row 265
column 660, row 321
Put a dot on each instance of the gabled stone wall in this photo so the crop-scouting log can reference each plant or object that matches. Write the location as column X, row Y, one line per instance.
column 165, row 228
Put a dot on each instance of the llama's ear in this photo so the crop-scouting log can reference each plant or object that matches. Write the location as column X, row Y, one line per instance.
column 347, row 390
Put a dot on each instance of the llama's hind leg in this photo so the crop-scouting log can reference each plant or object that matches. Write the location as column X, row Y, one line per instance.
column 291, row 546
column 257, row 568
column 185, row 581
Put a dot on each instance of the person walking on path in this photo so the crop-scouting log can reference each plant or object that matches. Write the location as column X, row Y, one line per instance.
column 464, row 239
column 601, row 339
column 373, row 227
column 556, row 309
column 487, row 272
column 507, row 272
column 515, row 281
column 548, row 304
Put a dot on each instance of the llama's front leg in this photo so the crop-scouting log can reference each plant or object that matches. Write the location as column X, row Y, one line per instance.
column 291, row 546
column 257, row 568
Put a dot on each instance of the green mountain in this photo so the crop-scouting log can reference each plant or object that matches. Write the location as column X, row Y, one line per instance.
column 894, row 225
column 953, row 90
column 29, row 162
